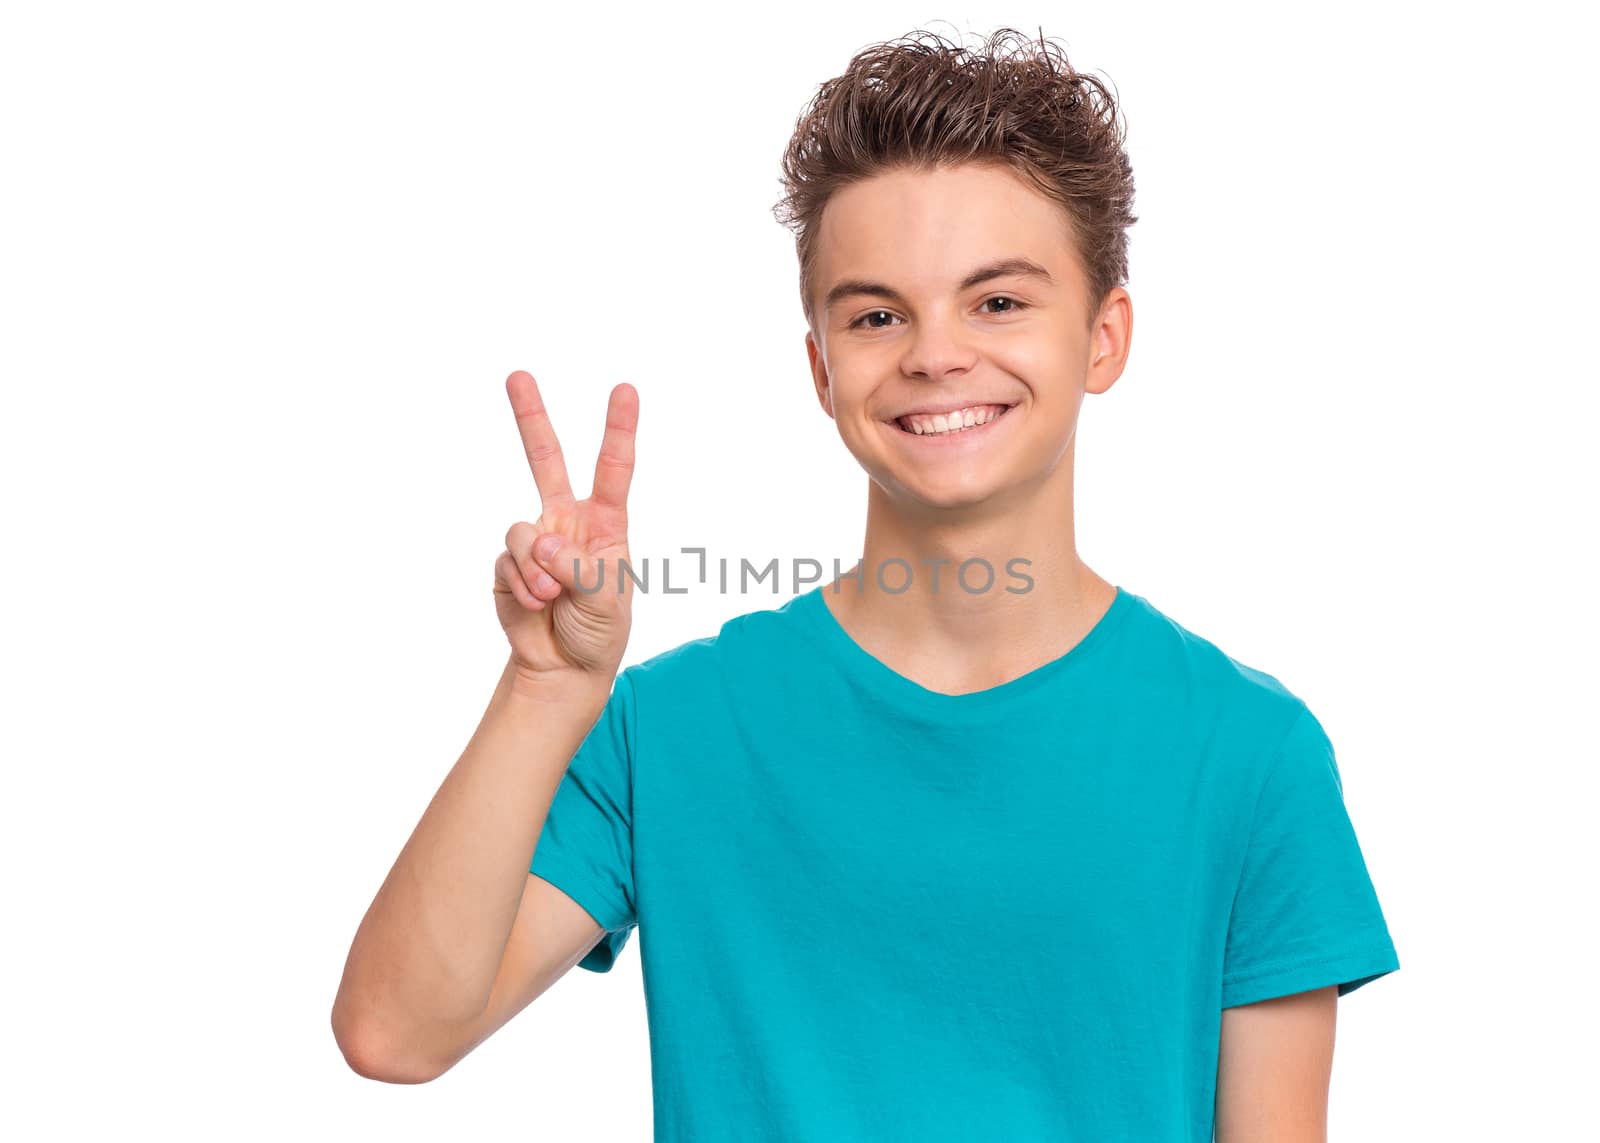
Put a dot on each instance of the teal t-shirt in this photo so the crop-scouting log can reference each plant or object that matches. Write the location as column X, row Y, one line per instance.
column 871, row 912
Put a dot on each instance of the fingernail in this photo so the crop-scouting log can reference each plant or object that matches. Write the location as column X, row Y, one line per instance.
column 546, row 546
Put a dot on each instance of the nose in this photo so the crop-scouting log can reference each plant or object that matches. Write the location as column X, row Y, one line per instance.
column 938, row 348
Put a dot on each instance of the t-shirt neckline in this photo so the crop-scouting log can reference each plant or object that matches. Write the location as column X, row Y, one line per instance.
column 875, row 672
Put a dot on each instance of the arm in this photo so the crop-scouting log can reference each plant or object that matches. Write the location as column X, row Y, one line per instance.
column 460, row 936
column 1274, row 1065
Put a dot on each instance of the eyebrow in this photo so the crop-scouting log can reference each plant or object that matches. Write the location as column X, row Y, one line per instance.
column 1005, row 267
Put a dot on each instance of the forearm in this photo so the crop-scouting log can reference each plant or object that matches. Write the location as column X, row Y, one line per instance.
column 427, row 953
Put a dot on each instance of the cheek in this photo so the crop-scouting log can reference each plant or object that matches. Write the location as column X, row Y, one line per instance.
column 847, row 397
column 1034, row 360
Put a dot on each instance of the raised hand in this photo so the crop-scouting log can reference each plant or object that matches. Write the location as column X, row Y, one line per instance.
column 551, row 624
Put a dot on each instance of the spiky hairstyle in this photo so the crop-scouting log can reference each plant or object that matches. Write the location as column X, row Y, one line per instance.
column 921, row 101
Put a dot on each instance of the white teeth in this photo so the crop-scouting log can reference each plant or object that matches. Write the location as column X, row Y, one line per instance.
column 953, row 422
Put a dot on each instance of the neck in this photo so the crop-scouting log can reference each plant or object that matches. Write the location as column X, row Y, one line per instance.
column 924, row 602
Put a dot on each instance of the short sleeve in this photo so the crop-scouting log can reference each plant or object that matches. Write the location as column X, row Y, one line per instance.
column 586, row 846
column 1305, row 913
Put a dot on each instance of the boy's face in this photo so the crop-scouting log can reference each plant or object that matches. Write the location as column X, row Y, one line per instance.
column 1014, row 342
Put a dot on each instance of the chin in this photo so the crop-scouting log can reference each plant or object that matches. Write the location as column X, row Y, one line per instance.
column 942, row 495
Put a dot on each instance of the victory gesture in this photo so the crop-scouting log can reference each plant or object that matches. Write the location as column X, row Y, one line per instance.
column 552, row 625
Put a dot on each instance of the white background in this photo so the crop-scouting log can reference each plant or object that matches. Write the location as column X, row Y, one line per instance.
column 265, row 269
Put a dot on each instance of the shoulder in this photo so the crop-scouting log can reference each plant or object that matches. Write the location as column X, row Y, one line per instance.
column 746, row 642
column 1191, row 669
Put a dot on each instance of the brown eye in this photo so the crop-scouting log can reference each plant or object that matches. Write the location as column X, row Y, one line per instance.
column 862, row 320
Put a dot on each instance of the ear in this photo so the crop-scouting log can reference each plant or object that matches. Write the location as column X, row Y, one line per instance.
column 819, row 375
column 1112, row 339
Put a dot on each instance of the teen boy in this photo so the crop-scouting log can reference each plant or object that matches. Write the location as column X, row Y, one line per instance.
column 910, row 859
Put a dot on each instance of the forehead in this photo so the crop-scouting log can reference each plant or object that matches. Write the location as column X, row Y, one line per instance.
column 932, row 227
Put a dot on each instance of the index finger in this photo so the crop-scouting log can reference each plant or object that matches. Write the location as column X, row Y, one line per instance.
column 538, row 438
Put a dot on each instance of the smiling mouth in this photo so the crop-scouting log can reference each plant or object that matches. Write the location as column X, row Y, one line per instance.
column 948, row 424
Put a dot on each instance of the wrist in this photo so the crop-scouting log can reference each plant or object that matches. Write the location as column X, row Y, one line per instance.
column 566, row 689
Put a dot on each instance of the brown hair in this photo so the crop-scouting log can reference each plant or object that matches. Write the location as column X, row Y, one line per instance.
column 922, row 101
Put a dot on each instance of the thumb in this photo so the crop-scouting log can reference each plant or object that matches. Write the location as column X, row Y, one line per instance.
column 569, row 565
